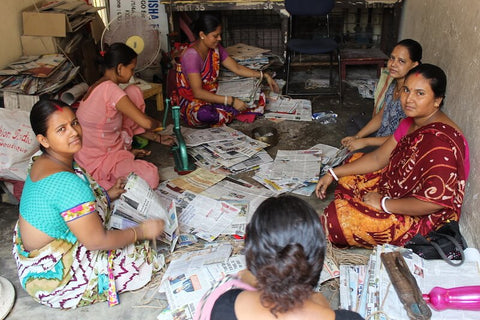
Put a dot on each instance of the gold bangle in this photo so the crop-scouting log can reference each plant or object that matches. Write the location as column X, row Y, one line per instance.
column 134, row 235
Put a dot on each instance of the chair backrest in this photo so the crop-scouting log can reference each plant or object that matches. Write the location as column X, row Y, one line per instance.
column 309, row 7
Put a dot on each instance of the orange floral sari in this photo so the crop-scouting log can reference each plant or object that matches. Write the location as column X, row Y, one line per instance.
column 428, row 164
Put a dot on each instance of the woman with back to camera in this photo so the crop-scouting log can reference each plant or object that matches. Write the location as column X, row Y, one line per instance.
column 65, row 257
column 284, row 250
column 197, row 78
column 421, row 184
column 387, row 111
column 110, row 117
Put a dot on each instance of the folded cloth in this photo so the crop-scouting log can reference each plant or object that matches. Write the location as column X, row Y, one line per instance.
column 245, row 117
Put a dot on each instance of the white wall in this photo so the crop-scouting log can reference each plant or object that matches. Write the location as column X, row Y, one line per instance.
column 11, row 18
column 449, row 32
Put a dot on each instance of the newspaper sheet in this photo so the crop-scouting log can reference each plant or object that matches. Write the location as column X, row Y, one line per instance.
column 185, row 289
column 198, row 180
column 195, row 137
column 282, row 105
column 263, row 176
column 139, row 203
column 207, row 218
column 303, row 165
column 244, row 89
column 242, row 195
column 303, row 112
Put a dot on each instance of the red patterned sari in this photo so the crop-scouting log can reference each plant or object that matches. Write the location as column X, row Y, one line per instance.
column 198, row 112
column 428, row 164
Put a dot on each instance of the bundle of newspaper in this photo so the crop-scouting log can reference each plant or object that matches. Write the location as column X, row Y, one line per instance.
column 139, row 203
column 291, row 170
column 37, row 74
column 288, row 109
column 250, row 56
column 367, row 289
column 225, row 149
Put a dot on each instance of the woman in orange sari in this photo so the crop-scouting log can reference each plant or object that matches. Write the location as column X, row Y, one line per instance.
column 422, row 183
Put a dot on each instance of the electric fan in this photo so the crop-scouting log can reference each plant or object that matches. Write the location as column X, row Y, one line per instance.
column 136, row 31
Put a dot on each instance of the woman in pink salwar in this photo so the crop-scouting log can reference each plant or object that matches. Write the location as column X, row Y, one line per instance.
column 111, row 116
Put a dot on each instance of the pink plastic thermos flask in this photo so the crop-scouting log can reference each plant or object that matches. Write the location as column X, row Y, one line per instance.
column 464, row 298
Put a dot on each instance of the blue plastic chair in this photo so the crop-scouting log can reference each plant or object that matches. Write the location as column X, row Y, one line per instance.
column 314, row 46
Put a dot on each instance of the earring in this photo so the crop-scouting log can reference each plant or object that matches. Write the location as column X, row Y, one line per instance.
column 202, row 38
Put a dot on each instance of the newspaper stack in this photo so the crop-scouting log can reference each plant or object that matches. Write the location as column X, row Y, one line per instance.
column 34, row 75
column 252, row 57
column 367, row 289
column 139, row 203
column 245, row 89
column 289, row 109
column 291, row 170
column 225, row 149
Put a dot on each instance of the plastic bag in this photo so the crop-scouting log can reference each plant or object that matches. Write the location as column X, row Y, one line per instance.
column 17, row 144
column 325, row 117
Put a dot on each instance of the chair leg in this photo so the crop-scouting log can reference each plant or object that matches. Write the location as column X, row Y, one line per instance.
column 340, row 84
column 331, row 70
column 287, row 82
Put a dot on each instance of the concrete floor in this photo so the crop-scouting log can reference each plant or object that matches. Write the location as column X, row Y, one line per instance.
column 293, row 136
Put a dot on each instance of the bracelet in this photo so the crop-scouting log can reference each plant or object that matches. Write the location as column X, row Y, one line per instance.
column 334, row 176
column 109, row 201
column 382, row 204
column 261, row 75
column 134, row 234
column 225, row 100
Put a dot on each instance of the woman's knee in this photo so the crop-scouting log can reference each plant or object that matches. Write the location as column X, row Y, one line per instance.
column 208, row 114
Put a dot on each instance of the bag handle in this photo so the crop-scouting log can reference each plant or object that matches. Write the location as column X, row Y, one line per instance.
column 443, row 255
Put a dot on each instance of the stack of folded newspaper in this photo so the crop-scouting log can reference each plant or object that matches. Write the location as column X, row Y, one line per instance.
column 367, row 289
column 225, row 149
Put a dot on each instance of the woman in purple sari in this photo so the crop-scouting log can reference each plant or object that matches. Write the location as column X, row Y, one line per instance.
column 197, row 75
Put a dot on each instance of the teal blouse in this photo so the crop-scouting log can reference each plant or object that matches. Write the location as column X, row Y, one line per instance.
column 48, row 204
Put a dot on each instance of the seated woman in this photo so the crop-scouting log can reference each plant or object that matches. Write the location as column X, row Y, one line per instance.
column 387, row 111
column 197, row 75
column 110, row 117
column 284, row 251
column 425, row 165
column 65, row 256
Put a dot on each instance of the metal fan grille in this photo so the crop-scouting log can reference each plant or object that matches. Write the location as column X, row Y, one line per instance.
column 135, row 30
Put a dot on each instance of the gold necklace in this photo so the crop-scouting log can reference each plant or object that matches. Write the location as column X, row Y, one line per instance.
column 69, row 167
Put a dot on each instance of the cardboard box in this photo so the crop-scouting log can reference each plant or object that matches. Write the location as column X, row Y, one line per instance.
column 57, row 23
column 45, row 24
column 37, row 45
